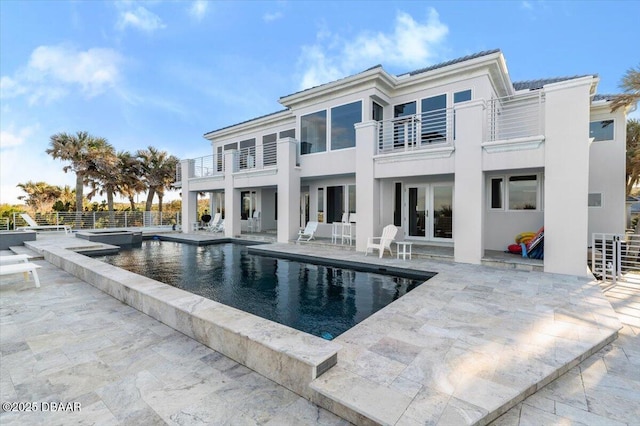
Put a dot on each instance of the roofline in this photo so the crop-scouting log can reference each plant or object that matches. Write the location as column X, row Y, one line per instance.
column 366, row 75
column 258, row 121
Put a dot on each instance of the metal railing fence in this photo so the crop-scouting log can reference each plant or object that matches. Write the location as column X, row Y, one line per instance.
column 614, row 255
column 417, row 131
column 103, row 219
column 513, row 117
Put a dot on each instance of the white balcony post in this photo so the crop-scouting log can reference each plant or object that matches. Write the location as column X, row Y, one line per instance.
column 368, row 188
column 468, row 199
column 288, row 190
column 231, row 197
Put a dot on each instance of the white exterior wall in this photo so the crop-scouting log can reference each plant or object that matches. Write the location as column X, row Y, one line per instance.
column 569, row 167
column 566, row 176
column 468, row 195
column 607, row 175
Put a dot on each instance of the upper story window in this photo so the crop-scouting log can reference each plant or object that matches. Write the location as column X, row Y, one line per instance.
column 403, row 110
column 291, row 133
column 376, row 111
column 269, row 149
column 463, row 96
column 343, row 119
column 601, row 130
column 313, row 132
column 434, row 119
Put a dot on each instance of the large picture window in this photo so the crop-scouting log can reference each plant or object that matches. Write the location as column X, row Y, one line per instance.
column 343, row 120
column 313, row 129
column 522, row 192
column 601, row 130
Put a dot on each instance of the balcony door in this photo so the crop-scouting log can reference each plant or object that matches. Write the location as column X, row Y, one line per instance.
column 429, row 212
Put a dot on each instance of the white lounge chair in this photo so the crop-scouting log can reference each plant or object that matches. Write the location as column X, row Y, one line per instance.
column 16, row 258
column 309, row 231
column 219, row 227
column 21, row 267
column 383, row 242
column 213, row 223
column 32, row 224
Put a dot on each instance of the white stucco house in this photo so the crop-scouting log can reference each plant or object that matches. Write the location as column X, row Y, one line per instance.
column 454, row 154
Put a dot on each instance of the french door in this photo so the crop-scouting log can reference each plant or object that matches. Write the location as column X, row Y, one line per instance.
column 429, row 212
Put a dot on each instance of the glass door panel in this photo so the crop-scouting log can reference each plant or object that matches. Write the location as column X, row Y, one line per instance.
column 442, row 212
column 417, row 211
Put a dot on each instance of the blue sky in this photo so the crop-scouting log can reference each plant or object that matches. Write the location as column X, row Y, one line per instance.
column 164, row 73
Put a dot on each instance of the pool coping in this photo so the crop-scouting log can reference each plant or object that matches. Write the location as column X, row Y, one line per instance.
column 287, row 356
column 571, row 315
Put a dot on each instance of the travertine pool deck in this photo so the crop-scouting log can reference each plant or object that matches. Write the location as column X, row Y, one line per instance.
column 462, row 349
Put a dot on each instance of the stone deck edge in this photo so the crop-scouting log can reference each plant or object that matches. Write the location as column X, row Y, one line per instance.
column 288, row 357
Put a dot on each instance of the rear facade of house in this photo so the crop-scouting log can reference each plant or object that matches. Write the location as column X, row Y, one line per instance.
column 455, row 154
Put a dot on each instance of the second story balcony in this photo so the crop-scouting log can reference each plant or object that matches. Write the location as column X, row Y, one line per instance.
column 511, row 121
column 416, row 132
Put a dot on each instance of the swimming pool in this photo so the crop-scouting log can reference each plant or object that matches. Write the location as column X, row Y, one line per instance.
column 320, row 300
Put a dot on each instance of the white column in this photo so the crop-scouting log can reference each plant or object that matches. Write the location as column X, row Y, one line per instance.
column 367, row 186
column 288, row 190
column 189, row 198
column 566, row 176
column 231, row 197
column 468, row 191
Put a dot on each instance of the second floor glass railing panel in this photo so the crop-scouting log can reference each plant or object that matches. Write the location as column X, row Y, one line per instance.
column 515, row 117
column 416, row 132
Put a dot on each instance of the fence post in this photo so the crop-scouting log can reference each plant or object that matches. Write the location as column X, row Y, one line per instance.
column 618, row 256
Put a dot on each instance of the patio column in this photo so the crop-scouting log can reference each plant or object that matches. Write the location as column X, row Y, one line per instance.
column 566, row 176
column 189, row 198
column 368, row 206
column 288, row 190
column 468, row 193
column 231, row 197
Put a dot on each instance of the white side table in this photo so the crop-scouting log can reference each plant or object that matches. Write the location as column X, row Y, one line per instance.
column 404, row 245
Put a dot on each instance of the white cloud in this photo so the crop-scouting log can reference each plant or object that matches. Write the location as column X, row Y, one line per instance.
column 139, row 18
column 527, row 5
column 198, row 9
column 270, row 17
column 54, row 71
column 11, row 138
column 411, row 44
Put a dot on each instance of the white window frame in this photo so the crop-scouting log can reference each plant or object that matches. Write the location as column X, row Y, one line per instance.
column 506, row 195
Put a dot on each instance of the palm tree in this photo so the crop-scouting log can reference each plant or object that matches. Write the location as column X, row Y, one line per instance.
column 159, row 172
column 40, row 195
column 83, row 151
column 105, row 177
column 633, row 154
column 631, row 86
column 130, row 182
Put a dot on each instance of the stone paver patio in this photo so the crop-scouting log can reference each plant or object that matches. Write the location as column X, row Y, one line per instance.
column 69, row 342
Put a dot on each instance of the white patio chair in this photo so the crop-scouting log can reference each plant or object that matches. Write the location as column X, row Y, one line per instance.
column 213, row 222
column 383, row 242
column 254, row 222
column 309, row 231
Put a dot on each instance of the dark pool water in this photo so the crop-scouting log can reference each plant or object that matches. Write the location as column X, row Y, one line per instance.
column 320, row 300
